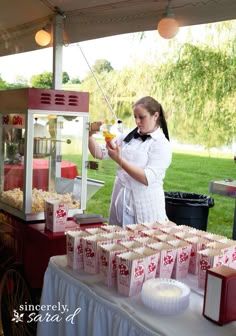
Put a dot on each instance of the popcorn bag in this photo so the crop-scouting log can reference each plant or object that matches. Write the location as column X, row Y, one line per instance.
column 130, row 273
column 151, row 258
column 208, row 258
column 90, row 253
column 74, row 249
column 197, row 244
column 166, row 259
column 137, row 228
column 181, row 265
column 107, row 262
column 55, row 215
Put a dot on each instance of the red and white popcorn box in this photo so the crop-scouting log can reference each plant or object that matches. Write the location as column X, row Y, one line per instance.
column 208, row 258
column 151, row 258
column 153, row 233
column 91, row 252
column 227, row 248
column 137, row 228
column 55, row 215
column 95, row 231
column 232, row 261
column 107, row 262
column 183, row 235
column 151, row 226
column 170, row 229
column 130, row 273
column 114, row 237
column 185, row 227
column 145, row 240
column 166, row 237
column 170, row 223
column 130, row 244
column 111, row 228
column 166, row 259
column 181, row 265
column 197, row 244
column 74, row 249
column 214, row 237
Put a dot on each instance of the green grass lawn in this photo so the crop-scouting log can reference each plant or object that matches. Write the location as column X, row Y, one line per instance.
column 189, row 173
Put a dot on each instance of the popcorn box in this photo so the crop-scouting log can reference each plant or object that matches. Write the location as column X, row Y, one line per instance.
column 145, row 240
column 95, row 231
column 227, row 248
column 55, row 215
column 166, row 260
column 91, row 253
column 197, row 244
column 152, row 233
column 111, row 228
column 208, row 258
column 129, row 235
column 183, row 235
column 74, row 249
column 169, row 229
column 107, row 262
column 114, row 237
column 232, row 260
column 130, row 273
column 151, row 226
column 137, row 228
column 151, row 258
column 166, row 237
column 181, row 265
column 130, row 244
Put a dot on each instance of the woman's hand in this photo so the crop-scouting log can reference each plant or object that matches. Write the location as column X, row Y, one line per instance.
column 94, row 127
column 114, row 152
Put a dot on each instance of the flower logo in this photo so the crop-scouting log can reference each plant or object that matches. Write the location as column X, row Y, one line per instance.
column 17, row 317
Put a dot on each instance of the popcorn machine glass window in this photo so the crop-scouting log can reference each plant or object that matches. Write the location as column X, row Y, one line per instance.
column 43, row 141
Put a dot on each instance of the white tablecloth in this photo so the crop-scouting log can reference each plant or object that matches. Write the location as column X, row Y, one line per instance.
column 100, row 311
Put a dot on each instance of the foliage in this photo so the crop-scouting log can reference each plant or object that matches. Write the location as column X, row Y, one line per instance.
column 75, row 80
column 102, row 65
column 202, row 84
column 45, row 80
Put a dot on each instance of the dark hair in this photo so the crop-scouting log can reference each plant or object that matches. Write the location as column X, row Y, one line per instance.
column 152, row 106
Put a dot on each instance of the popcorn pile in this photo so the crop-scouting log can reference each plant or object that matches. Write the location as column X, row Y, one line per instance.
column 126, row 258
column 14, row 198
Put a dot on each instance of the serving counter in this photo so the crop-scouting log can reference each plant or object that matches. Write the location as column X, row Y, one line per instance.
column 85, row 306
column 226, row 187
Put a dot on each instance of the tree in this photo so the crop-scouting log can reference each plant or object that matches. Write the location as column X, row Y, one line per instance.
column 75, row 80
column 3, row 84
column 43, row 80
column 65, row 77
column 102, row 65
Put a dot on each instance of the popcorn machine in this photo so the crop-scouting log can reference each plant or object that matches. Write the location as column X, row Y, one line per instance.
column 43, row 143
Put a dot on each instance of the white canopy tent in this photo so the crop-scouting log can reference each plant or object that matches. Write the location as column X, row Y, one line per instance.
column 80, row 20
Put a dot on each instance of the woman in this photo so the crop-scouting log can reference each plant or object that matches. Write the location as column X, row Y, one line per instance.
column 143, row 157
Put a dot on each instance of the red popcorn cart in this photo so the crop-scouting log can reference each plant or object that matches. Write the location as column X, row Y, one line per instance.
column 44, row 149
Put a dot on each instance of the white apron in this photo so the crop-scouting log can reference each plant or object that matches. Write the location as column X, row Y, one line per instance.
column 133, row 202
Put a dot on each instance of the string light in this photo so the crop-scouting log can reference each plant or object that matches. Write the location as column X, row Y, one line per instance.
column 168, row 26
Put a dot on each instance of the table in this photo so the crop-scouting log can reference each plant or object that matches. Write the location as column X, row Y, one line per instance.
column 100, row 311
column 41, row 244
column 227, row 188
column 14, row 174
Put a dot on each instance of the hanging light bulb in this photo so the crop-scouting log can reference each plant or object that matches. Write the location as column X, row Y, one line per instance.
column 42, row 37
column 168, row 26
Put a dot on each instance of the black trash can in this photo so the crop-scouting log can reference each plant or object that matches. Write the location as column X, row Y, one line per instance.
column 188, row 208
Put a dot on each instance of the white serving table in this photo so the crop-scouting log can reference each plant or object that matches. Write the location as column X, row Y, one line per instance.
column 226, row 187
column 101, row 311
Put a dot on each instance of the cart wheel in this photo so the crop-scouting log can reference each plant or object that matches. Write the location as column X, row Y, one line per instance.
column 14, row 297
